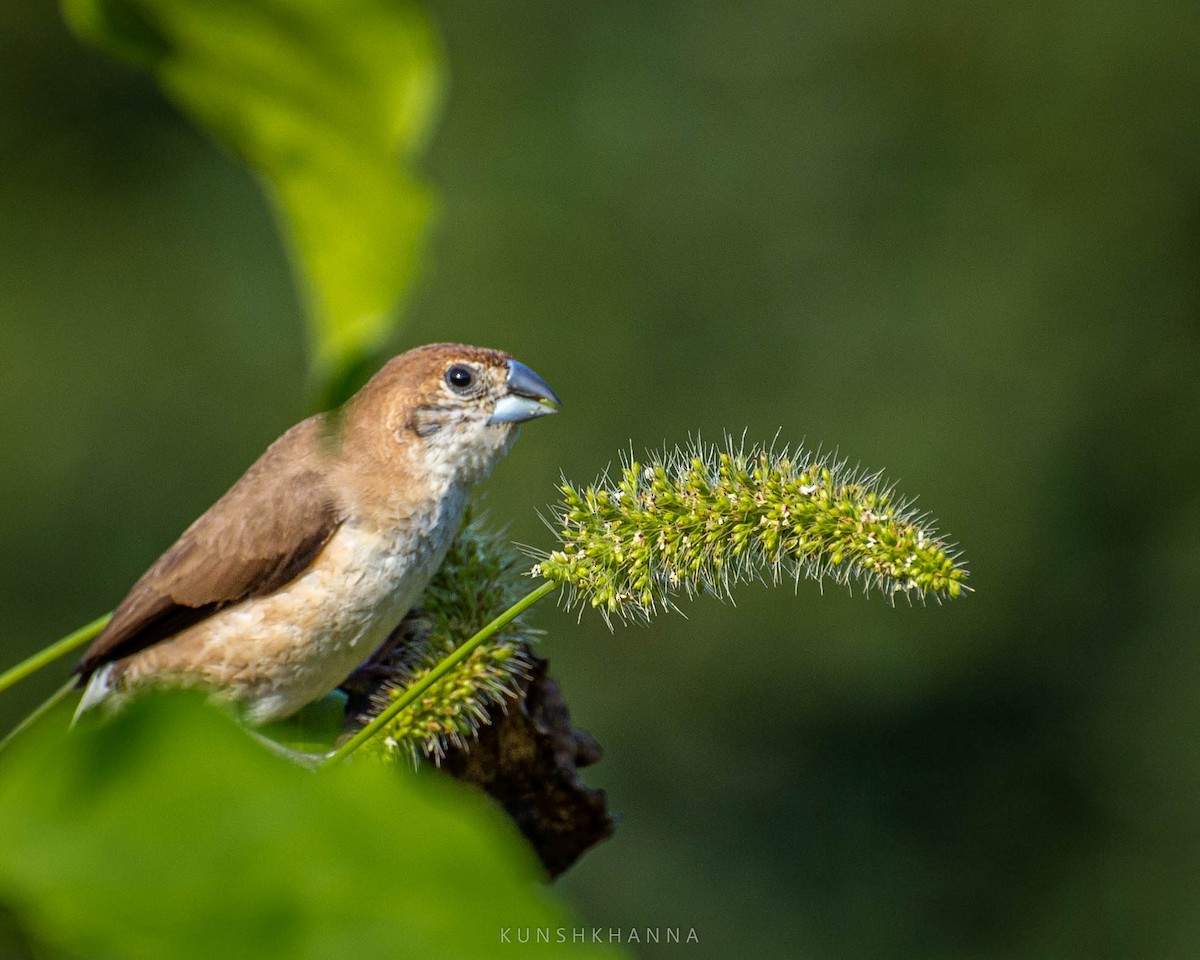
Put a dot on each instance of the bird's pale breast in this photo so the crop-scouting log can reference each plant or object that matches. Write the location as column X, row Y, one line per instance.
column 277, row 653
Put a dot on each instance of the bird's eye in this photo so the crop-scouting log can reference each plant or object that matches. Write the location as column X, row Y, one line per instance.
column 460, row 377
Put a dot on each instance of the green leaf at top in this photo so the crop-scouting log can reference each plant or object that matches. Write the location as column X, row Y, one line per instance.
column 328, row 102
column 168, row 834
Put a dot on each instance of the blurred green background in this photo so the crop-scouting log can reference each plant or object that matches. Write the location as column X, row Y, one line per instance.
column 960, row 243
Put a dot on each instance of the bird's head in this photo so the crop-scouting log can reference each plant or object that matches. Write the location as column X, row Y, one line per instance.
column 455, row 407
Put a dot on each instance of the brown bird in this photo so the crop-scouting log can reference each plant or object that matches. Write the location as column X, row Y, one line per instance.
column 304, row 567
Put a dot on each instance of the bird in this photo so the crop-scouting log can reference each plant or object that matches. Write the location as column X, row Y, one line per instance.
column 312, row 558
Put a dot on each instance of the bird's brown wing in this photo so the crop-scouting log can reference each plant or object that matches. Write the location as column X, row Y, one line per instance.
column 259, row 536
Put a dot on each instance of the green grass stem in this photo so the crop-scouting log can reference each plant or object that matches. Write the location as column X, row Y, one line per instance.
column 456, row 657
column 57, row 650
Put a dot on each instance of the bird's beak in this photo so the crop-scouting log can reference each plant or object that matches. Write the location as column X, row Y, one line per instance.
column 528, row 396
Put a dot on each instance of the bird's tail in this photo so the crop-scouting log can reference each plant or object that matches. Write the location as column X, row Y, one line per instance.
column 98, row 688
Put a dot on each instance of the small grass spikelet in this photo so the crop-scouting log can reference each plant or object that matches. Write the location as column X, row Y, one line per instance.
column 481, row 577
column 705, row 518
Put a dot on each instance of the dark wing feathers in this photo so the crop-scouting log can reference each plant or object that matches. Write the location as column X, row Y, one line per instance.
column 258, row 537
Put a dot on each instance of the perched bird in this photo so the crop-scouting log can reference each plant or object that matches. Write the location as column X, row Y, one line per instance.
column 303, row 568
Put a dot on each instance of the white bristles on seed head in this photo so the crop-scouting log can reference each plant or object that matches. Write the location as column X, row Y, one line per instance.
column 703, row 518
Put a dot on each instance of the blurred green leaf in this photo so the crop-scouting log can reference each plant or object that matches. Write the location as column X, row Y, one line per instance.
column 170, row 833
column 329, row 104
column 312, row 729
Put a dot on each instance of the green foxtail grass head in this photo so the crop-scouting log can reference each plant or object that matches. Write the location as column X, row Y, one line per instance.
column 481, row 577
column 705, row 518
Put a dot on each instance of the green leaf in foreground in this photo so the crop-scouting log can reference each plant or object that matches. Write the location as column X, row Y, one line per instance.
column 168, row 832
column 328, row 103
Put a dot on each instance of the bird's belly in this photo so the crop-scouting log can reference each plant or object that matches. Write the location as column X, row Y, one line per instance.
column 277, row 653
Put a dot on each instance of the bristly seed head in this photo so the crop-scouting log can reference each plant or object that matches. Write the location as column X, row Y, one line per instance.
column 480, row 578
column 704, row 518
